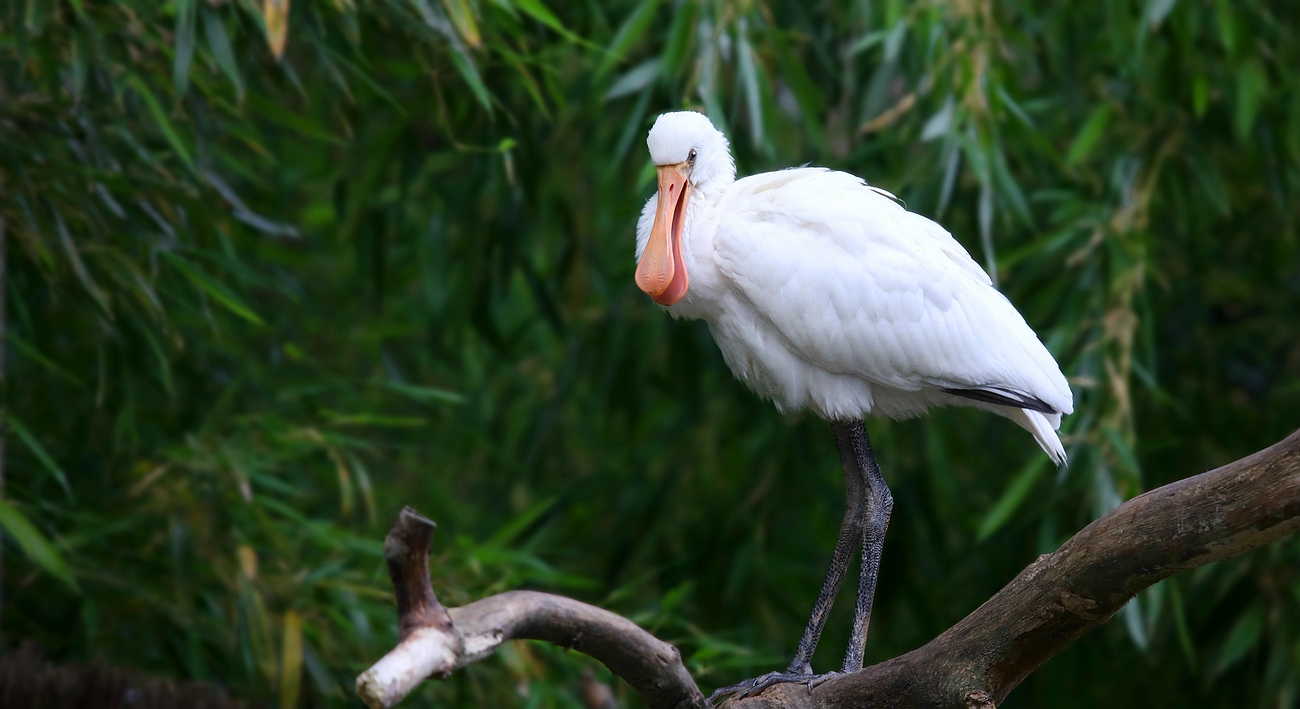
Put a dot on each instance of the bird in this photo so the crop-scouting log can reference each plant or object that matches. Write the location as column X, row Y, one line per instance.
column 825, row 294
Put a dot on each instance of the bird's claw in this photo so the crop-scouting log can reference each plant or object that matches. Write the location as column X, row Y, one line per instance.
column 819, row 679
column 762, row 682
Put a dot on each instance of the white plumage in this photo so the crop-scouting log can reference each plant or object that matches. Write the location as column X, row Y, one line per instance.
column 823, row 293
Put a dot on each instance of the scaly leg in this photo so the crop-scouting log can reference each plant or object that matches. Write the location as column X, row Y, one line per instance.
column 851, row 536
column 878, row 504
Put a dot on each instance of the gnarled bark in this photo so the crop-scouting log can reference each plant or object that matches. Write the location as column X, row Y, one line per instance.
column 435, row 640
column 974, row 664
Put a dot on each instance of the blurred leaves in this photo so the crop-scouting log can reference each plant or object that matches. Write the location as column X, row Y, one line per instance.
column 1243, row 636
column 1011, row 500
column 291, row 661
column 12, row 423
column 35, row 545
column 211, row 286
column 275, row 16
column 277, row 271
column 1088, row 135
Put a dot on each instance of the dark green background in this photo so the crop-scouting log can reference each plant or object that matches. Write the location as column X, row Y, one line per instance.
column 255, row 306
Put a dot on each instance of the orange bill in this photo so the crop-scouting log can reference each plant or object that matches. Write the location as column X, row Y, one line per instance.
column 661, row 272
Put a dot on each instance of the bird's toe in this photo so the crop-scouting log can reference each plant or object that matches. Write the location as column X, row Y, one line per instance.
column 756, row 685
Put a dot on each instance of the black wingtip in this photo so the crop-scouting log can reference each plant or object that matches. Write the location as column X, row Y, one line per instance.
column 1002, row 397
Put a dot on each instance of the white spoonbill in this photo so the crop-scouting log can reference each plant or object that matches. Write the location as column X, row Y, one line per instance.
column 823, row 293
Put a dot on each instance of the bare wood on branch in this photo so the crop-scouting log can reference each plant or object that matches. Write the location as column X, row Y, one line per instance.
column 435, row 640
column 973, row 665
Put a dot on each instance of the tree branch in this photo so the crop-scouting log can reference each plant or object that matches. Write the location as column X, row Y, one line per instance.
column 436, row 641
column 1063, row 595
column 973, row 665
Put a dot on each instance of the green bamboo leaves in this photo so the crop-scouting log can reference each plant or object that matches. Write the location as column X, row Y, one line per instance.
column 212, row 287
column 161, row 119
column 35, row 545
column 186, row 20
column 1251, row 86
column 1012, row 498
column 24, row 434
column 222, row 51
column 1088, row 136
column 629, row 33
column 406, row 225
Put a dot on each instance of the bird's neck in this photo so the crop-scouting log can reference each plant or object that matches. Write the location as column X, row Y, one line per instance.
column 710, row 193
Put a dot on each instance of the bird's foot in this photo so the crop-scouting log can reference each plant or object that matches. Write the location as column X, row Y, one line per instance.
column 753, row 686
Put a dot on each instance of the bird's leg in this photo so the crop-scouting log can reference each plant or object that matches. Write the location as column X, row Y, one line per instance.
column 877, row 505
column 850, row 538
column 851, row 535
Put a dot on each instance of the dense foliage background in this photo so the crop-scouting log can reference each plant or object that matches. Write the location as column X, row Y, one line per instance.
column 276, row 270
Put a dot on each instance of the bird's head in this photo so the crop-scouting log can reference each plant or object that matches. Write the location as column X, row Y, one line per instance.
column 690, row 156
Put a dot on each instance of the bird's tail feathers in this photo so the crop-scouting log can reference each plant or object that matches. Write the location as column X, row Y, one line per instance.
column 1043, row 426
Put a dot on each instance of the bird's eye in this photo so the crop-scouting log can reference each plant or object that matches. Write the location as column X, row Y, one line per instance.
column 691, row 158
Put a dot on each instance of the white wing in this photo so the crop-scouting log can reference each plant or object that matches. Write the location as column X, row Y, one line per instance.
column 857, row 285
